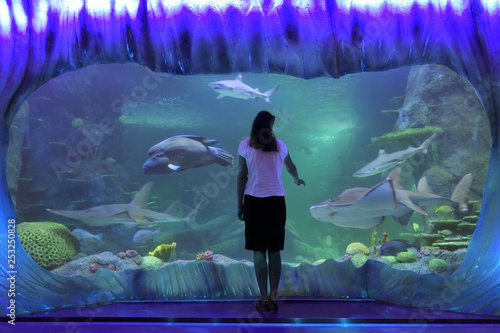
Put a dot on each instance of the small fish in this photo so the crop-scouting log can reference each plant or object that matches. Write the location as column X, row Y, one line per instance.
column 306, row 149
column 415, row 226
column 393, row 247
column 142, row 236
column 83, row 235
column 444, row 209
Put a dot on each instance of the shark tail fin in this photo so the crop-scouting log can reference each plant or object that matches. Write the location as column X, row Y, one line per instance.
column 461, row 192
column 423, row 186
column 425, row 145
column 223, row 157
column 268, row 94
column 98, row 237
column 190, row 219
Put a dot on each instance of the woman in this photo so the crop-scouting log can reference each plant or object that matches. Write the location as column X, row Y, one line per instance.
column 261, row 202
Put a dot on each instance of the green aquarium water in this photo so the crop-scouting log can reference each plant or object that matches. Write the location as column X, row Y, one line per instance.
column 80, row 141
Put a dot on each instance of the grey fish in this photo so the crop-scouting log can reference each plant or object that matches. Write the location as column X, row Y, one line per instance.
column 182, row 152
column 393, row 247
column 83, row 235
column 386, row 161
column 130, row 215
column 366, row 208
column 237, row 89
column 142, row 236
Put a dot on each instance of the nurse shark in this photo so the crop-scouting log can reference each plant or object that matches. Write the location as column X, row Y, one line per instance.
column 130, row 215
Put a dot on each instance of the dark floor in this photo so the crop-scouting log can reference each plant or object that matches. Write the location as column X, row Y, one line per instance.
column 294, row 315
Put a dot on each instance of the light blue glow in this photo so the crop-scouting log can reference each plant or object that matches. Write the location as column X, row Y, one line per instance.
column 20, row 17
column 4, row 19
column 39, row 20
column 127, row 6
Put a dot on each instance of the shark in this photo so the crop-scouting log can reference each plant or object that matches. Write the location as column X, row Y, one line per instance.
column 237, row 89
column 366, row 208
column 130, row 215
column 385, row 161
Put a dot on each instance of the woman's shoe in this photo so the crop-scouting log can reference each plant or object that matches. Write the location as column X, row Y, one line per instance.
column 273, row 305
column 262, row 306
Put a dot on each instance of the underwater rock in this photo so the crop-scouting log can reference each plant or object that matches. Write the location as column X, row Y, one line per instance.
column 357, row 248
column 49, row 244
column 438, row 266
column 437, row 96
column 151, row 262
column 81, row 267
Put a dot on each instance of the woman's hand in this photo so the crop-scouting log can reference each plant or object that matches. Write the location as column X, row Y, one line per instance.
column 299, row 182
column 240, row 214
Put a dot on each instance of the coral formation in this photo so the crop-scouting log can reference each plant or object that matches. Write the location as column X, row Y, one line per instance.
column 81, row 267
column 49, row 244
column 151, row 262
column 131, row 253
column 77, row 122
column 359, row 259
column 357, row 248
column 207, row 255
column 163, row 251
column 385, row 238
column 438, row 266
column 406, row 256
column 407, row 134
column 94, row 267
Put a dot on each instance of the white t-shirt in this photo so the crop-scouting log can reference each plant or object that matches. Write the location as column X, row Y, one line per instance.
column 264, row 169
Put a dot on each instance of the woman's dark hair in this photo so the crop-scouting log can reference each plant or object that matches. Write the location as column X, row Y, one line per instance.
column 261, row 135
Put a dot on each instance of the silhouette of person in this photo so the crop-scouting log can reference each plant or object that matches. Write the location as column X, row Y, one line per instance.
column 261, row 203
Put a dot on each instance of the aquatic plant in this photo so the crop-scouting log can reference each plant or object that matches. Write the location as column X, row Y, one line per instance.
column 374, row 233
column 49, row 244
column 407, row 134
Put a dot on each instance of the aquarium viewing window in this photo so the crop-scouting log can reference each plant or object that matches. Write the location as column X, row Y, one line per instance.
column 89, row 88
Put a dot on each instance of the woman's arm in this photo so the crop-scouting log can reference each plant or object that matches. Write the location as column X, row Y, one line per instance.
column 292, row 170
column 242, row 182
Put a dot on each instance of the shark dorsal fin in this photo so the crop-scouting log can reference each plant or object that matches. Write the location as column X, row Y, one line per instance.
column 395, row 176
column 381, row 152
column 142, row 197
column 238, row 77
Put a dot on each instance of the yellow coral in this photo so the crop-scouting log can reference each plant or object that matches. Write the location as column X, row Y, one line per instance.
column 49, row 244
column 357, row 248
column 163, row 251
column 373, row 241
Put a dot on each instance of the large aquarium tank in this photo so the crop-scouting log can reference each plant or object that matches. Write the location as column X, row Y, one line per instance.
column 120, row 129
column 86, row 201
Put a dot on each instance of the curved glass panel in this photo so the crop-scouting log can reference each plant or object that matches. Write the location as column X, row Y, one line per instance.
column 394, row 165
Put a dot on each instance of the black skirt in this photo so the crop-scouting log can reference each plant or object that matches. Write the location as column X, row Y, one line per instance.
column 265, row 220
